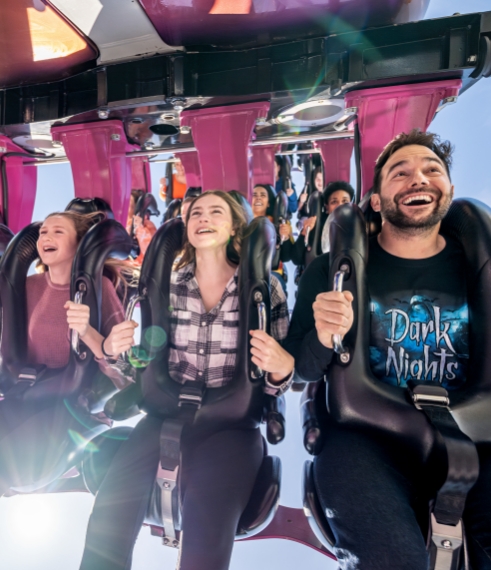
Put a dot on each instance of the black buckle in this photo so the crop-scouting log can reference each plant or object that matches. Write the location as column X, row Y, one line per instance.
column 429, row 395
column 29, row 375
column 191, row 394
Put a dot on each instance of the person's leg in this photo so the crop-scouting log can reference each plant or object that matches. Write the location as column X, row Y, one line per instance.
column 477, row 514
column 122, row 500
column 369, row 504
column 218, row 476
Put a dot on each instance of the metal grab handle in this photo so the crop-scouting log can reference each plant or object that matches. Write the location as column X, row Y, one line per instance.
column 282, row 238
column 75, row 337
column 261, row 313
column 336, row 338
column 307, row 233
column 130, row 309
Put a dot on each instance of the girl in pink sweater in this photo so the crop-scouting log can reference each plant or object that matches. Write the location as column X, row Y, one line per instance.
column 32, row 432
column 50, row 311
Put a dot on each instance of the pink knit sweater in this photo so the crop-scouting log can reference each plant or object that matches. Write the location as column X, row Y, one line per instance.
column 48, row 333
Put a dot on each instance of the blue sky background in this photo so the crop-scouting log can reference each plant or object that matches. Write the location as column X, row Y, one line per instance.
column 47, row 532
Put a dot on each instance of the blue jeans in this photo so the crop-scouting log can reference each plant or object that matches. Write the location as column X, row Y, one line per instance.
column 376, row 497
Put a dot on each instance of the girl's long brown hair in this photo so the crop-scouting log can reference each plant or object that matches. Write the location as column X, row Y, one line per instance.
column 119, row 272
column 239, row 224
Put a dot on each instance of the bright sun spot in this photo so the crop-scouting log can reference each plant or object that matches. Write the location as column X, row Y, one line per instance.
column 35, row 516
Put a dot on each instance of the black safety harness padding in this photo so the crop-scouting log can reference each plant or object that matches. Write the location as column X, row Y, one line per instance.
column 462, row 464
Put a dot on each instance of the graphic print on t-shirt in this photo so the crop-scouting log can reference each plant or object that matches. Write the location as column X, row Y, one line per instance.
column 421, row 337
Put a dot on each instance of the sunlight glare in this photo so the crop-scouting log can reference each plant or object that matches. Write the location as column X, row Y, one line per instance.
column 35, row 516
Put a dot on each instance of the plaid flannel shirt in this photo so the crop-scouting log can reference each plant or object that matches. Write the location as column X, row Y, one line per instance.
column 204, row 345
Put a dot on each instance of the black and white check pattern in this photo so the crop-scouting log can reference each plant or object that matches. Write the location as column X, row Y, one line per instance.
column 204, row 345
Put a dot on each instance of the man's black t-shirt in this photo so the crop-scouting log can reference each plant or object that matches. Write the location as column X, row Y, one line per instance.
column 419, row 318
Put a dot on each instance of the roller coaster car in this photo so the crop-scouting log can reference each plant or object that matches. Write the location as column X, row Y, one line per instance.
column 241, row 403
column 457, row 419
column 78, row 386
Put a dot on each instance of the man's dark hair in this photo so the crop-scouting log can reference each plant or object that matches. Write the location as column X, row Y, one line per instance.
column 334, row 187
column 443, row 149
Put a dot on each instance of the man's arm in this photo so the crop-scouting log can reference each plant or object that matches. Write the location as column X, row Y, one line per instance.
column 311, row 357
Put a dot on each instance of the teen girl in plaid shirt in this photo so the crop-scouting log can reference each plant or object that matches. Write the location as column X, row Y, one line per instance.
column 218, row 471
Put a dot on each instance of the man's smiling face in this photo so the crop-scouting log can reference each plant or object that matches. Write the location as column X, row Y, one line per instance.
column 415, row 189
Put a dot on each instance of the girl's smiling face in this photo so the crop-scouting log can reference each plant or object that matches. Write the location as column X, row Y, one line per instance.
column 209, row 224
column 57, row 242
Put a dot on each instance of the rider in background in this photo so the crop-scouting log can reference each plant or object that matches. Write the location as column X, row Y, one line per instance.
column 142, row 229
column 336, row 194
column 179, row 184
column 317, row 183
column 282, row 174
column 218, row 470
column 263, row 200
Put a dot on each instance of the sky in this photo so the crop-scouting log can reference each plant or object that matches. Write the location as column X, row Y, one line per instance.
column 47, row 532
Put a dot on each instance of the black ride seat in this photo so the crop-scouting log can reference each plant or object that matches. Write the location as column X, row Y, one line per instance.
column 42, row 389
column 241, row 403
column 357, row 400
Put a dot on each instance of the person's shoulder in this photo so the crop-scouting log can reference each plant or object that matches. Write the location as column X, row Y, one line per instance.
column 36, row 280
column 277, row 292
column 320, row 265
column 107, row 285
column 150, row 225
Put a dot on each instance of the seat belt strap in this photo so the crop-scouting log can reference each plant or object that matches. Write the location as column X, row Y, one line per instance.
column 190, row 399
column 447, row 532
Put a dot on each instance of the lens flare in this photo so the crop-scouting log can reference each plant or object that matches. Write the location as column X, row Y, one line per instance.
column 81, row 442
column 154, row 337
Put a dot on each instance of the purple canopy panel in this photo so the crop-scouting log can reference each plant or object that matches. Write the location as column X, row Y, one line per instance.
column 222, row 136
column 263, row 164
column 385, row 112
column 336, row 155
column 100, row 167
column 190, row 163
column 188, row 22
column 21, row 176
column 140, row 174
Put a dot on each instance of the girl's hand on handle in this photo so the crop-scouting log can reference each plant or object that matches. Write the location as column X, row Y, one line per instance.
column 120, row 339
column 270, row 356
column 78, row 317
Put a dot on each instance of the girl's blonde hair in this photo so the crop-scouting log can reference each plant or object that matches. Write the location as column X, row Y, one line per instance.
column 239, row 224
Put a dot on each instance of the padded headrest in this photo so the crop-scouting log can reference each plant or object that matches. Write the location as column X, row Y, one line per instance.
column 146, row 203
column 193, row 192
column 89, row 206
column 242, row 201
column 373, row 219
column 173, row 210
column 314, row 203
column 6, row 235
column 280, row 209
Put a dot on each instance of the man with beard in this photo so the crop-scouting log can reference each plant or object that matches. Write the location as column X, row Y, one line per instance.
column 373, row 492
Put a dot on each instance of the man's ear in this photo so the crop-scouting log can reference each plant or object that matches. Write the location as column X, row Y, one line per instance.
column 375, row 202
